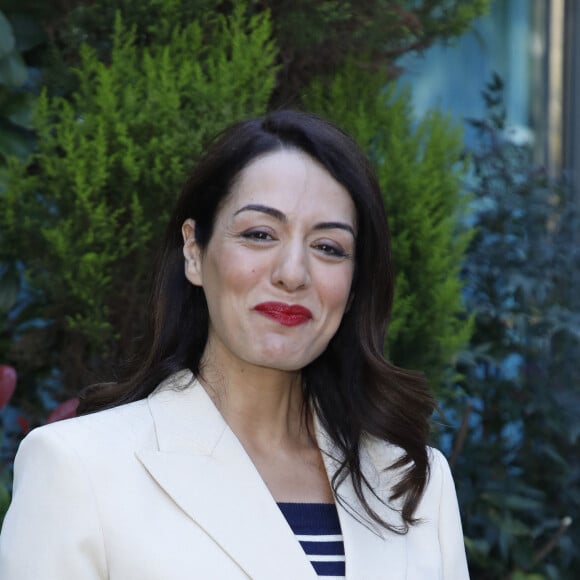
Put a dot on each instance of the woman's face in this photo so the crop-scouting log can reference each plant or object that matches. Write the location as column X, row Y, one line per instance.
column 277, row 271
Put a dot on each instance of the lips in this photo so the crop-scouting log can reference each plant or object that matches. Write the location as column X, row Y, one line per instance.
column 285, row 314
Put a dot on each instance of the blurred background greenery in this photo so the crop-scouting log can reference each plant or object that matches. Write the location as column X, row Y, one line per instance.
column 105, row 104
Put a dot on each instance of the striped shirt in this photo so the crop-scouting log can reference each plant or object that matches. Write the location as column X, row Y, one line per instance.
column 317, row 528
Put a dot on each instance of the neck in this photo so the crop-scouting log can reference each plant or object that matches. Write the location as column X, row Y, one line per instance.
column 262, row 406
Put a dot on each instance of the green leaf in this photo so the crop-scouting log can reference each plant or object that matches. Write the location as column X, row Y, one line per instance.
column 7, row 41
column 9, row 287
column 17, row 107
column 13, row 70
column 518, row 502
column 518, row 575
column 27, row 32
column 515, row 527
column 21, row 113
column 13, row 142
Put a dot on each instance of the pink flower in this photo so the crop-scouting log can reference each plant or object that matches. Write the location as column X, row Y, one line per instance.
column 23, row 424
column 65, row 410
column 8, row 379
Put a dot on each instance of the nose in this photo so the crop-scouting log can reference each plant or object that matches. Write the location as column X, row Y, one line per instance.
column 292, row 270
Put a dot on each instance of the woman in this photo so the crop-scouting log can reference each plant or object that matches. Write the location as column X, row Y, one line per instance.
column 263, row 423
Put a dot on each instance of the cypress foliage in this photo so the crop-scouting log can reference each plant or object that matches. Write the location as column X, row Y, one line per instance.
column 420, row 172
column 84, row 212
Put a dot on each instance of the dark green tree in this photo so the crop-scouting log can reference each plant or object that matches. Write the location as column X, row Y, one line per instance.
column 315, row 39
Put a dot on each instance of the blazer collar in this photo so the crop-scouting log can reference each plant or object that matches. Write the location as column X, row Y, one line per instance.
column 202, row 465
column 371, row 551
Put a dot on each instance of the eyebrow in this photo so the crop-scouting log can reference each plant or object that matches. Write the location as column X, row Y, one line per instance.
column 277, row 214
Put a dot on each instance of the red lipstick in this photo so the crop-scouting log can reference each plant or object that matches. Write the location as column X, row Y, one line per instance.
column 285, row 314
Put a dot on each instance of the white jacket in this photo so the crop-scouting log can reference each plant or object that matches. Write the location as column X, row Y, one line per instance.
column 161, row 489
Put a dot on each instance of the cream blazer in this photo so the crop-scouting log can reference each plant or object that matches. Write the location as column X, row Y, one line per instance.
column 161, row 489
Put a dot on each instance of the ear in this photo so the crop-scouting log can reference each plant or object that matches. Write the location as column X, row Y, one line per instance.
column 191, row 253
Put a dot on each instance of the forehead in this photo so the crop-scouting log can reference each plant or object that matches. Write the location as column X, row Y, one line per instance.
column 294, row 183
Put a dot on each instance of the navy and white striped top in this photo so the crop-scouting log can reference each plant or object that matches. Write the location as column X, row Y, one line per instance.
column 317, row 528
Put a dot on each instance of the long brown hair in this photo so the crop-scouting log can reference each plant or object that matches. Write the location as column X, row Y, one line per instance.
column 351, row 387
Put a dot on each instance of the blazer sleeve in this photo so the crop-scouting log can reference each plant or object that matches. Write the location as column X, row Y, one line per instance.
column 52, row 529
column 451, row 541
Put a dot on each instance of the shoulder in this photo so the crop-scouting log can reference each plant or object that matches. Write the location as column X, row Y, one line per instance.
column 109, row 431
column 439, row 470
column 440, row 488
column 384, row 455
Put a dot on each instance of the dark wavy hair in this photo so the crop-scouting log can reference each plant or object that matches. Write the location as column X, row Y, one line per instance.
column 351, row 387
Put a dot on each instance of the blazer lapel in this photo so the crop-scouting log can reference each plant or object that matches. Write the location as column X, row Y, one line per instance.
column 371, row 552
column 204, row 468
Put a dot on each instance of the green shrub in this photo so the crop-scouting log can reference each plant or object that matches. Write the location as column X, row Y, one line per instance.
column 516, row 461
column 420, row 172
column 85, row 211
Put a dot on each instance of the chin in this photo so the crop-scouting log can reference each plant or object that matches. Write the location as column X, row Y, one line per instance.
column 282, row 364
column 286, row 362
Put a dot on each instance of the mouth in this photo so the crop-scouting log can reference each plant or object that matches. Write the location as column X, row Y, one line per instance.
column 285, row 314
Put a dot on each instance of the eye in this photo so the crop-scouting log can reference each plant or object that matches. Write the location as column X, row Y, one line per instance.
column 258, row 235
column 331, row 250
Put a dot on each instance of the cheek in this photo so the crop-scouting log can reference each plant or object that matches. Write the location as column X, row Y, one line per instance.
column 335, row 289
column 231, row 272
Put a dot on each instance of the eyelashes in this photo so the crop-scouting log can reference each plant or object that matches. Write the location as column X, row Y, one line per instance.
column 258, row 235
column 331, row 250
column 325, row 248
